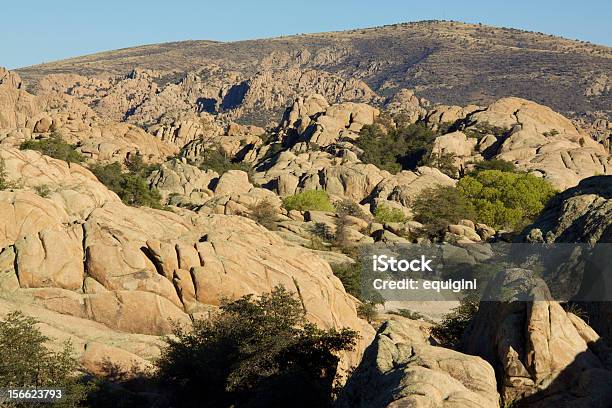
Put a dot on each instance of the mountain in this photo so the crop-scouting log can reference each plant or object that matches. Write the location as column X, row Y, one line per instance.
column 445, row 62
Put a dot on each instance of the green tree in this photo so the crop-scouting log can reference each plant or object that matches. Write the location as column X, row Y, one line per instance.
column 132, row 188
column 495, row 164
column 256, row 352
column 505, row 199
column 25, row 361
column 437, row 207
column 394, row 149
column 316, row 200
column 55, row 147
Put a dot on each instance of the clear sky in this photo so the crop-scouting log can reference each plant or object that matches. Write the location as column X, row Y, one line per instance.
column 39, row 31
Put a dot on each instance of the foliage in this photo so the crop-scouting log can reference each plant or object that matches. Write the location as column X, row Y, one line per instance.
column 350, row 276
column 264, row 213
column 385, row 214
column 450, row 330
column 43, row 190
column 323, row 231
column 367, row 311
column 437, row 207
column 495, row 164
column 481, row 129
column 505, row 199
column 315, row 200
column 394, row 149
column 5, row 183
column 409, row 314
column 216, row 160
column 444, row 162
column 131, row 187
column 25, row 360
column 255, row 352
column 55, row 147
column 349, row 207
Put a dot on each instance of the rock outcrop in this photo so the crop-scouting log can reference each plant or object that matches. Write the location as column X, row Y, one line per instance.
column 402, row 369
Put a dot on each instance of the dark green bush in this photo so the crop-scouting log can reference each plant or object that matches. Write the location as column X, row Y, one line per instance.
column 394, row 149
column 367, row 311
column 25, row 361
column 505, row 199
column 54, row 147
column 132, row 188
column 450, row 330
column 214, row 159
column 256, row 352
column 440, row 206
column 495, row 164
column 314, row 200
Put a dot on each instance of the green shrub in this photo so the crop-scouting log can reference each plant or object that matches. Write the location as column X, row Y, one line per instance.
column 350, row 276
column 444, row 162
column 394, row 149
column 450, row 330
column 264, row 213
column 349, row 207
column 495, row 164
column 437, row 207
column 5, row 183
column 505, row 199
column 216, row 160
column 384, row 214
column 315, row 200
column 25, row 361
column 255, row 352
column 130, row 187
column 367, row 311
column 54, row 147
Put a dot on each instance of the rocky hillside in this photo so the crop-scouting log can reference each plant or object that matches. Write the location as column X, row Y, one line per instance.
column 445, row 62
column 139, row 188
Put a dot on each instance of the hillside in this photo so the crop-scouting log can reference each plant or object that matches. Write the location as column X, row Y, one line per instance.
column 445, row 62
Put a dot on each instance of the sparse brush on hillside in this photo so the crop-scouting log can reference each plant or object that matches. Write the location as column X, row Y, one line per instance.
column 55, row 147
column 258, row 351
column 313, row 200
column 5, row 182
column 264, row 213
column 131, row 187
column 506, row 199
column 26, row 361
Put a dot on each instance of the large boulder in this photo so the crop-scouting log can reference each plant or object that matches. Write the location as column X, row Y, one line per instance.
column 402, row 369
column 539, row 351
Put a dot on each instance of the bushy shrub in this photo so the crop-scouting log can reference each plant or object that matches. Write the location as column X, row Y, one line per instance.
column 255, row 352
column 495, row 164
column 264, row 213
column 349, row 207
column 450, row 330
column 437, row 207
column 505, row 199
column 132, row 188
column 315, row 200
column 394, row 149
column 367, row 311
column 26, row 361
column 55, row 147
column 215, row 159
column 385, row 214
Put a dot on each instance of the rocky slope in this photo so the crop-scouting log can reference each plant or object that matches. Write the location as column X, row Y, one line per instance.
column 251, row 79
column 110, row 277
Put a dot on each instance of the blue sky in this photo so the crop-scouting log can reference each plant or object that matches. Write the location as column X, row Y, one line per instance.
column 40, row 31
